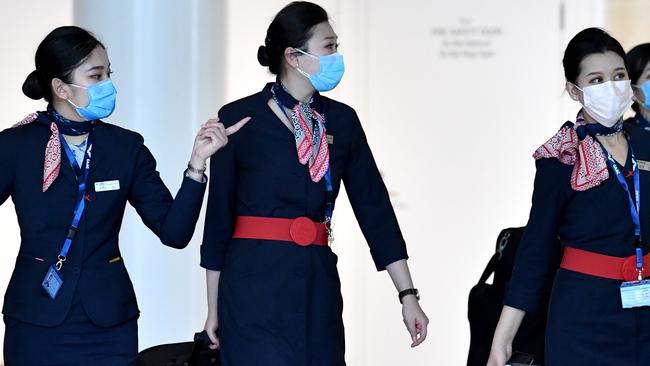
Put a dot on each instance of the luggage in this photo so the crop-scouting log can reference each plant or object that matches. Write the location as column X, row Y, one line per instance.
column 195, row 353
column 486, row 301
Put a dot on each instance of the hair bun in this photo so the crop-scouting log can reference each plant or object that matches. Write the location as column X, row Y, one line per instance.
column 262, row 56
column 32, row 86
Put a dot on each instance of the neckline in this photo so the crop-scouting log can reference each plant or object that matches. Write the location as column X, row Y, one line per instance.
column 628, row 159
column 265, row 97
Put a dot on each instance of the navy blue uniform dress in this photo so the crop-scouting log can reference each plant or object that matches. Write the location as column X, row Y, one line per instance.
column 279, row 303
column 587, row 324
column 93, row 319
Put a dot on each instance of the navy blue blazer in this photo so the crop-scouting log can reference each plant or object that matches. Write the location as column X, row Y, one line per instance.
column 44, row 218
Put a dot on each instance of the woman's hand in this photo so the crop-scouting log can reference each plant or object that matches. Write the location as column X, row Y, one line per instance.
column 500, row 352
column 211, row 325
column 212, row 137
column 415, row 320
column 505, row 332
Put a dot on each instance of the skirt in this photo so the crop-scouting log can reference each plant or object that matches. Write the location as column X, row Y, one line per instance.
column 76, row 342
column 588, row 326
column 280, row 305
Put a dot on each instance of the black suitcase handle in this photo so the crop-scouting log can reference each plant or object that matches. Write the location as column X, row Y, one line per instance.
column 201, row 340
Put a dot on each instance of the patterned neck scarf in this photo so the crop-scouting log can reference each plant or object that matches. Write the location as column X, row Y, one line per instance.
column 309, row 128
column 58, row 125
column 576, row 145
column 596, row 129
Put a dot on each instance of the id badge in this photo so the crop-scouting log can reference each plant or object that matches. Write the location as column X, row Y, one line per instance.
column 52, row 282
column 635, row 294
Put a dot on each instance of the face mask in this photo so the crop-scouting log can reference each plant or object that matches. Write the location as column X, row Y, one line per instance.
column 101, row 100
column 645, row 89
column 330, row 73
column 607, row 102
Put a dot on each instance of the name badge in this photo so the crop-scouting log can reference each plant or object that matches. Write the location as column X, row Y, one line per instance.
column 52, row 282
column 111, row 185
column 644, row 165
column 330, row 140
column 635, row 294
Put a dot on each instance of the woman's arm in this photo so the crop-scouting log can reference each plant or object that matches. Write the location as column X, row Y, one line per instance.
column 219, row 226
column 414, row 318
column 534, row 265
column 370, row 201
column 212, row 321
column 504, row 334
column 174, row 220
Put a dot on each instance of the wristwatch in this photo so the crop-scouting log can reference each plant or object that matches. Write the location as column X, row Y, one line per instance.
column 409, row 291
column 196, row 170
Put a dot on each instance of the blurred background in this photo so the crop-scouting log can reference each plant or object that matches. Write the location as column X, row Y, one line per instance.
column 454, row 96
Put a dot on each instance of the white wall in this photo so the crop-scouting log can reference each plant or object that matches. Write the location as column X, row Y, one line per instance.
column 23, row 24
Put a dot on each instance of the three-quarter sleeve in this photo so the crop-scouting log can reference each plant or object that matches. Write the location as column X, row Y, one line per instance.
column 220, row 214
column 371, row 202
column 532, row 271
column 173, row 220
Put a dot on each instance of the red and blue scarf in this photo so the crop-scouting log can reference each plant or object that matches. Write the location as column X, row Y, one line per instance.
column 309, row 128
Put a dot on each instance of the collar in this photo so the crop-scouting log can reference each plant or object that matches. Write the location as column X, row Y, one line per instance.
column 595, row 129
column 66, row 126
column 279, row 91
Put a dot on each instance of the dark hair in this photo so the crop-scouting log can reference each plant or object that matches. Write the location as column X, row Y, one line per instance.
column 585, row 43
column 637, row 60
column 57, row 56
column 291, row 27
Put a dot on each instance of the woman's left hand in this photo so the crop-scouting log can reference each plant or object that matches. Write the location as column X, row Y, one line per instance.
column 415, row 320
column 212, row 137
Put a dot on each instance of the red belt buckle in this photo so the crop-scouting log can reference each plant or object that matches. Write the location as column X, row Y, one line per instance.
column 629, row 270
column 303, row 231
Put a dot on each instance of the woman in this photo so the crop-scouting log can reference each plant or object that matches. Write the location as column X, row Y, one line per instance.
column 273, row 287
column 70, row 300
column 638, row 60
column 589, row 189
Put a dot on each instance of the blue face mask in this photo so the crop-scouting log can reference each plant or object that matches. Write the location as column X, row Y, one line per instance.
column 330, row 73
column 645, row 88
column 101, row 100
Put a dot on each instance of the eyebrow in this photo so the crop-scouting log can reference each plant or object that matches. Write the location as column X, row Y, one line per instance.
column 594, row 73
column 330, row 37
column 98, row 68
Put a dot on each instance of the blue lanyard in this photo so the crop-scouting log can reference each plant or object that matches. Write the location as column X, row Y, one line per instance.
column 82, row 178
column 634, row 209
column 329, row 206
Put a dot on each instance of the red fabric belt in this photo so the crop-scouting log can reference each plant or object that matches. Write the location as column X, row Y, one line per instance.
column 600, row 265
column 302, row 230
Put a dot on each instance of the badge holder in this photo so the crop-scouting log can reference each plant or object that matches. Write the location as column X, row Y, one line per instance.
column 636, row 293
column 53, row 280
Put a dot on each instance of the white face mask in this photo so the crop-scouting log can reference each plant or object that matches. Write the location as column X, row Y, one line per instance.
column 606, row 102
